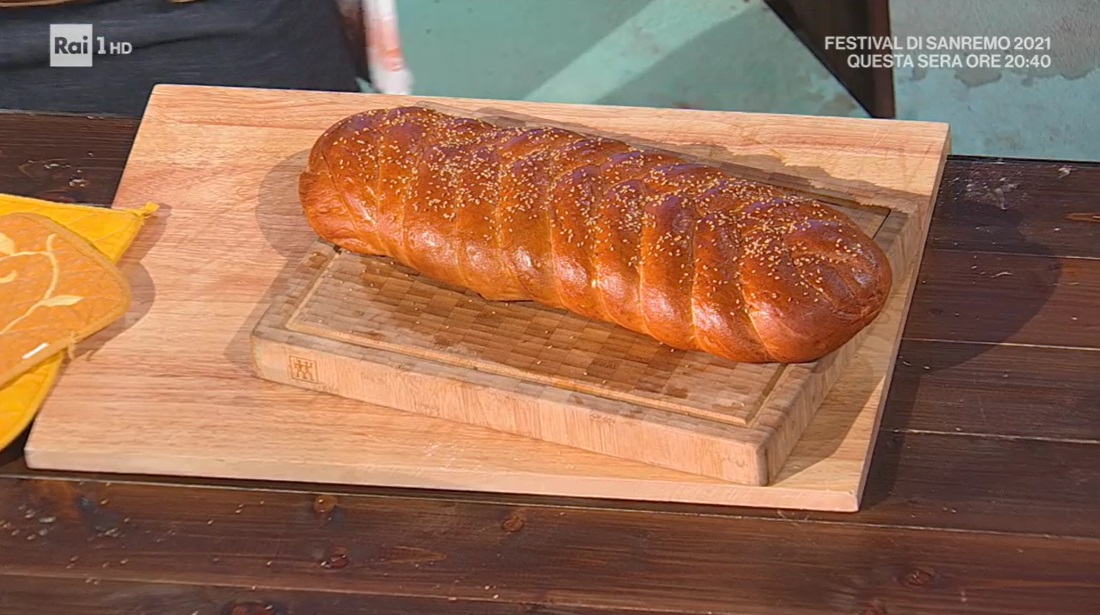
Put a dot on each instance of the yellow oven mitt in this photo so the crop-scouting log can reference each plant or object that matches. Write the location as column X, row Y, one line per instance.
column 56, row 289
column 111, row 232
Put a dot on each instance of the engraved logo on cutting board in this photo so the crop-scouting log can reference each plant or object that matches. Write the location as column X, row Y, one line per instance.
column 303, row 369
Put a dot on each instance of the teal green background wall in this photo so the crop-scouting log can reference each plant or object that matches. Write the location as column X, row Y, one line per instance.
column 737, row 55
column 706, row 54
column 1036, row 113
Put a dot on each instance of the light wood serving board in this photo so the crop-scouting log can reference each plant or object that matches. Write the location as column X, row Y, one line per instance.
column 170, row 389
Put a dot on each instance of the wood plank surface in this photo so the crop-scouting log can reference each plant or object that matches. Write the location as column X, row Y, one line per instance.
column 1046, row 208
column 857, row 563
column 604, row 559
column 1003, row 391
column 80, row 162
column 1025, row 299
column 918, row 480
column 213, row 252
column 979, row 483
column 88, row 595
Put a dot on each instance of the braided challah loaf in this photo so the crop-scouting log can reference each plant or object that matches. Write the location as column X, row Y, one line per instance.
column 695, row 258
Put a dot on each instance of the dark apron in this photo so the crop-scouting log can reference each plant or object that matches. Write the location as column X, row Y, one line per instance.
column 259, row 43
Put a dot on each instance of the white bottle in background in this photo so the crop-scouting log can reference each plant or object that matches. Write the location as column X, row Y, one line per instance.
column 388, row 72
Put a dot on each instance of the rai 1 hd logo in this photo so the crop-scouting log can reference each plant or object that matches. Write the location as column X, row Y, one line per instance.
column 74, row 45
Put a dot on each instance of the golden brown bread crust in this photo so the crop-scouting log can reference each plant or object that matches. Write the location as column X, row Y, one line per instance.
column 679, row 251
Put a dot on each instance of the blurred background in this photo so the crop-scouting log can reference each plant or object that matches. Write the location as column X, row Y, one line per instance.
column 740, row 55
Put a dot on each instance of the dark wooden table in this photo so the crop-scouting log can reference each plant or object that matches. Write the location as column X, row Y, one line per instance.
column 983, row 495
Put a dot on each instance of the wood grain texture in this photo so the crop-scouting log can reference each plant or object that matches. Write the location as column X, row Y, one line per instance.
column 80, row 161
column 247, row 210
column 1020, row 207
column 907, row 486
column 561, row 557
column 1024, row 299
column 999, row 391
column 89, row 595
column 979, row 483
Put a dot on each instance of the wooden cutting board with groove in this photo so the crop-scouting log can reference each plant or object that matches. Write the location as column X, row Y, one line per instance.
column 171, row 388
